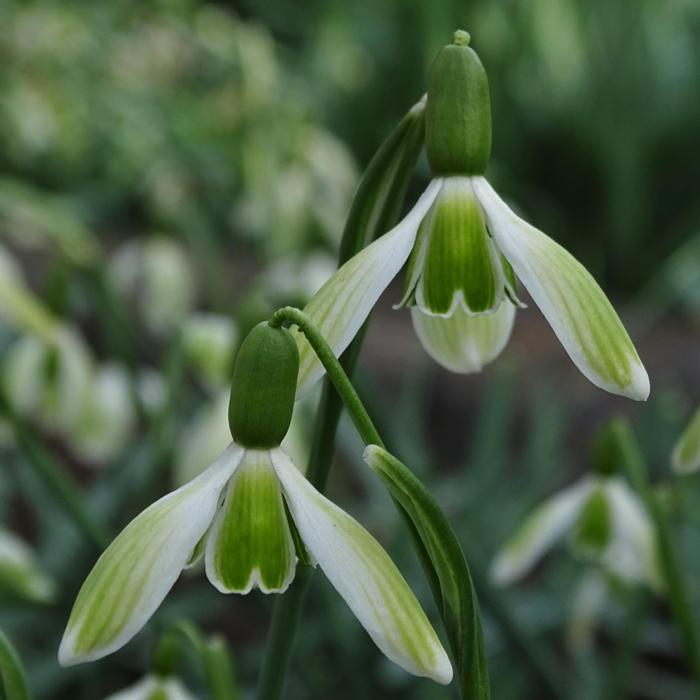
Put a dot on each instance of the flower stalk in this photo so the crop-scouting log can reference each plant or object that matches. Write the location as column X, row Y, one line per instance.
column 675, row 585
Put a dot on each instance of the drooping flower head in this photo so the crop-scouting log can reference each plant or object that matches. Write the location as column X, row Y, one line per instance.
column 606, row 523
column 466, row 250
column 241, row 515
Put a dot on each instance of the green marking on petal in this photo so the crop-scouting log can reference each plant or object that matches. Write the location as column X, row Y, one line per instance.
column 544, row 527
column 134, row 574
column 363, row 574
column 686, row 453
column 571, row 300
column 594, row 527
column 461, row 262
column 250, row 543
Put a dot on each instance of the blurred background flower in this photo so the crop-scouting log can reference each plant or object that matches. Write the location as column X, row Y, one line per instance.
column 171, row 171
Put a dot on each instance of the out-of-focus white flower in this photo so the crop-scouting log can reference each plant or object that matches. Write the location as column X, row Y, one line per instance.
column 153, row 687
column 203, row 439
column 608, row 526
column 209, row 340
column 685, row 457
column 587, row 607
column 156, row 276
column 298, row 277
column 151, row 389
column 20, row 573
column 108, row 417
column 49, row 380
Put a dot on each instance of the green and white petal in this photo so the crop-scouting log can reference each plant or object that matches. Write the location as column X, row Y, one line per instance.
column 461, row 266
column 632, row 555
column 364, row 575
column 135, row 573
column 570, row 299
column 543, row 528
column 685, row 457
column 343, row 304
column 463, row 343
column 250, row 544
column 20, row 573
column 152, row 687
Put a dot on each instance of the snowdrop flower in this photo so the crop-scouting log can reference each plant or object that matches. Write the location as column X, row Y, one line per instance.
column 20, row 573
column 154, row 687
column 237, row 514
column 607, row 524
column 107, row 419
column 209, row 340
column 156, row 275
column 685, row 457
column 49, row 379
column 465, row 250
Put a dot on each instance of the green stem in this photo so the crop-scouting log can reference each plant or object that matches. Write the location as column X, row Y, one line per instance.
column 334, row 370
column 61, row 487
column 13, row 683
column 213, row 654
column 676, row 588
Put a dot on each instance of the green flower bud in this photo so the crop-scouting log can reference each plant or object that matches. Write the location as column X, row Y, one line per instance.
column 458, row 113
column 605, row 452
column 263, row 387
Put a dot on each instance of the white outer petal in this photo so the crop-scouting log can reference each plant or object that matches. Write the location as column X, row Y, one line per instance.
column 342, row 305
column 546, row 525
column 632, row 553
column 364, row 575
column 464, row 343
column 539, row 263
column 148, row 686
column 135, row 573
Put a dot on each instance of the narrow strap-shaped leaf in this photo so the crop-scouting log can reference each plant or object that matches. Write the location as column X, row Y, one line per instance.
column 460, row 607
column 13, row 683
column 379, row 197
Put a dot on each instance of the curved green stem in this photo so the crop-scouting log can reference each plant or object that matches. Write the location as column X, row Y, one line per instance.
column 334, row 370
column 13, row 683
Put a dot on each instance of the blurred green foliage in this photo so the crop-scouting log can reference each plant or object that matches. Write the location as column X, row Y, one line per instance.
column 236, row 130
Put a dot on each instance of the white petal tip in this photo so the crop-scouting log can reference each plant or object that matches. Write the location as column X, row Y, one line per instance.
column 442, row 672
column 639, row 388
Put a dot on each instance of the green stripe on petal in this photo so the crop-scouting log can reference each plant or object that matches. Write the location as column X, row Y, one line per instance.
column 545, row 526
column 342, row 305
column 570, row 299
column 464, row 343
column 364, row 575
column 135, row 573
column 686, row 453
column 250, row 544
column 461, row 263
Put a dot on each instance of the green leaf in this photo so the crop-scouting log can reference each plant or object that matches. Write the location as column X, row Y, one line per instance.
column 13, row 682
column 456, row 596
